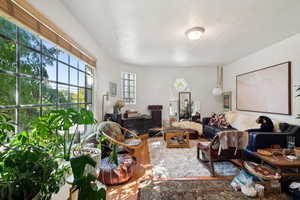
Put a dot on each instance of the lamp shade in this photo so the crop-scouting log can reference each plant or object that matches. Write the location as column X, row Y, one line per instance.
column 217, row 91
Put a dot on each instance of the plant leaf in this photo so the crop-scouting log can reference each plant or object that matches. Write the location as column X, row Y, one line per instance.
column 78, row 164
column 88, row 191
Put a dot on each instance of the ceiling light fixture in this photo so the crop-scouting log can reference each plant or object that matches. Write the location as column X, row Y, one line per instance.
column 195, row 33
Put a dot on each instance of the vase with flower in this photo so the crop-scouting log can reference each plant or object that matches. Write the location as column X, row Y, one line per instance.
column 119, row 104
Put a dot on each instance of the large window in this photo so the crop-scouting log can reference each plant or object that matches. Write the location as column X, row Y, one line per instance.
column 128, row 87
column 36, row 76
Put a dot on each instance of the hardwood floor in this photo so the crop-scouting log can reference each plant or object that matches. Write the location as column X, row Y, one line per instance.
column 129, row 190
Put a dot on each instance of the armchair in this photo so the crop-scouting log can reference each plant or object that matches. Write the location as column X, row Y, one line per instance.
column 118, row 135
column 209, row 152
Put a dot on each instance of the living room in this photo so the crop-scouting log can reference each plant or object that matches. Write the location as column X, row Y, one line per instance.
column 157, row 71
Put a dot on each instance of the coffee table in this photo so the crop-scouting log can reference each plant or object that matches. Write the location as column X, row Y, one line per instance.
column 281, row 163
column 171, row 139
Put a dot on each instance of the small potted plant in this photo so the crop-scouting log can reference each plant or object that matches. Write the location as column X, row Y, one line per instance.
column 119, row 104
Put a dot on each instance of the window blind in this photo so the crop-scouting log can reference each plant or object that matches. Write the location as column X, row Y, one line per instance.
column 25, row 15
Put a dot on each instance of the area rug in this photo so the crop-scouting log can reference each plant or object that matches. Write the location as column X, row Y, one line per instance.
column 182, row 162
column 195, row 190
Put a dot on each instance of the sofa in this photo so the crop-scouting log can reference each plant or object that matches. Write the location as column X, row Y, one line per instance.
column 257, row 140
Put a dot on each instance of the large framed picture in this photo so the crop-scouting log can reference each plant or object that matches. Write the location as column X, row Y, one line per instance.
column 267, row 90
column 227, row 101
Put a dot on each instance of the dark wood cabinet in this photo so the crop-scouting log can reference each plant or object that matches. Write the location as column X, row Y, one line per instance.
column 139, row 124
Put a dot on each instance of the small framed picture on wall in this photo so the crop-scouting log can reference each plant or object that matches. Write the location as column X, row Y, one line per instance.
column 227, row 101
column 113, row 89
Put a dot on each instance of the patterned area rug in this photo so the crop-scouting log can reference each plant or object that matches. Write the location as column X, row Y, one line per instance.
column 182, row 162
column 195, row 190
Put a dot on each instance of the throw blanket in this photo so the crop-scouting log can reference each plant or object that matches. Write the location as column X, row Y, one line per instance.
column 233, row 138
column 189, row 125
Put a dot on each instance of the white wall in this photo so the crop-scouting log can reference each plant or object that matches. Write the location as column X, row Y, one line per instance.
column 286, row 50
column 155, row 86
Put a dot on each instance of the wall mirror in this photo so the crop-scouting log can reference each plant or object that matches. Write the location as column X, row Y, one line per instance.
column 185, row 105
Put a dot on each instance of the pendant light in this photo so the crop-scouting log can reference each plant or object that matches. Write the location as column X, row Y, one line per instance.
column 218, row 91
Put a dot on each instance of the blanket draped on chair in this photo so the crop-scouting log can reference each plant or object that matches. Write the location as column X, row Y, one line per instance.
column 233, row 139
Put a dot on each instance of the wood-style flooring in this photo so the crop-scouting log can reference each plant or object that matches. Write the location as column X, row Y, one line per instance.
column 129, row 190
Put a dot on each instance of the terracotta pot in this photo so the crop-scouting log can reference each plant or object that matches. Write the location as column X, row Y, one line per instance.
column 110, row 174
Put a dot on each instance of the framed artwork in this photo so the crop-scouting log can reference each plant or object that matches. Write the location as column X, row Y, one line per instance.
column 185, row 105
column 267, row 90
column 113, row 89
column 227, row 101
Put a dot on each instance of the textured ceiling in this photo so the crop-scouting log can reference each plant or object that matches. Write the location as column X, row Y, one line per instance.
column 152, row 32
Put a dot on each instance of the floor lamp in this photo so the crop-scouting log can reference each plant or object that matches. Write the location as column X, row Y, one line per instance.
column 105, row 97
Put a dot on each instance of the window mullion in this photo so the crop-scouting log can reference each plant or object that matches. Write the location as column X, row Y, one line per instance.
column 41, row 75
column 18, row 87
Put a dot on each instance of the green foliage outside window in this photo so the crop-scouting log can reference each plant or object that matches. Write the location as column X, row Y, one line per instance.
column 30, row 71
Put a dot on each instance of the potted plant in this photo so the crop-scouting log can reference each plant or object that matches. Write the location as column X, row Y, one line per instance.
column 62, row 121
column 31, row 162
column 27, row 169
column 119, row 104
column 86, row 184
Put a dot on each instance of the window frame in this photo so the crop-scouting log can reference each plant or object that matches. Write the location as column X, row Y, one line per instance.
column 128, row 100
column 19, row 75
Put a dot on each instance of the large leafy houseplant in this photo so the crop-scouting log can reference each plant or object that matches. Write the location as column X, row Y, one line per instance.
column 26, row 167
column 31, row 161
column 62, row 121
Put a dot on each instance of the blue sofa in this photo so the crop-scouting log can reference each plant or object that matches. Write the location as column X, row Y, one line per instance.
column 259, row 140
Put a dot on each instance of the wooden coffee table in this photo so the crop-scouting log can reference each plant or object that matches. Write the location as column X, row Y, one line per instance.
column 281, row 163
column 172, row 142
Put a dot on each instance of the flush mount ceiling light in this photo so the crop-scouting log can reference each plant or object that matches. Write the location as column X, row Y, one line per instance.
column 195, row 33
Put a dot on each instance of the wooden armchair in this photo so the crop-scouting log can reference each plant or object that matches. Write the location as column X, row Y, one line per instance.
column 208, row 153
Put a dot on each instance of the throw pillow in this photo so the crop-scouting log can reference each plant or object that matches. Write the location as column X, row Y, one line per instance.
column 222, row 122
column 213, row 120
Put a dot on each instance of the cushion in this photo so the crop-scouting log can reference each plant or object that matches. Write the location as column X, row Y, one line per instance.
column 222, row 122
column 283, row 127
column 230, row 116
column 244, row 122
column 189, row 125
column 213, row 119
column 112, row 129
column 133, row 142
column 218, row 120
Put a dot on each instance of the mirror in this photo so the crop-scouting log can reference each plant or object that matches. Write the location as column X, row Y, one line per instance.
column 185, row 105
